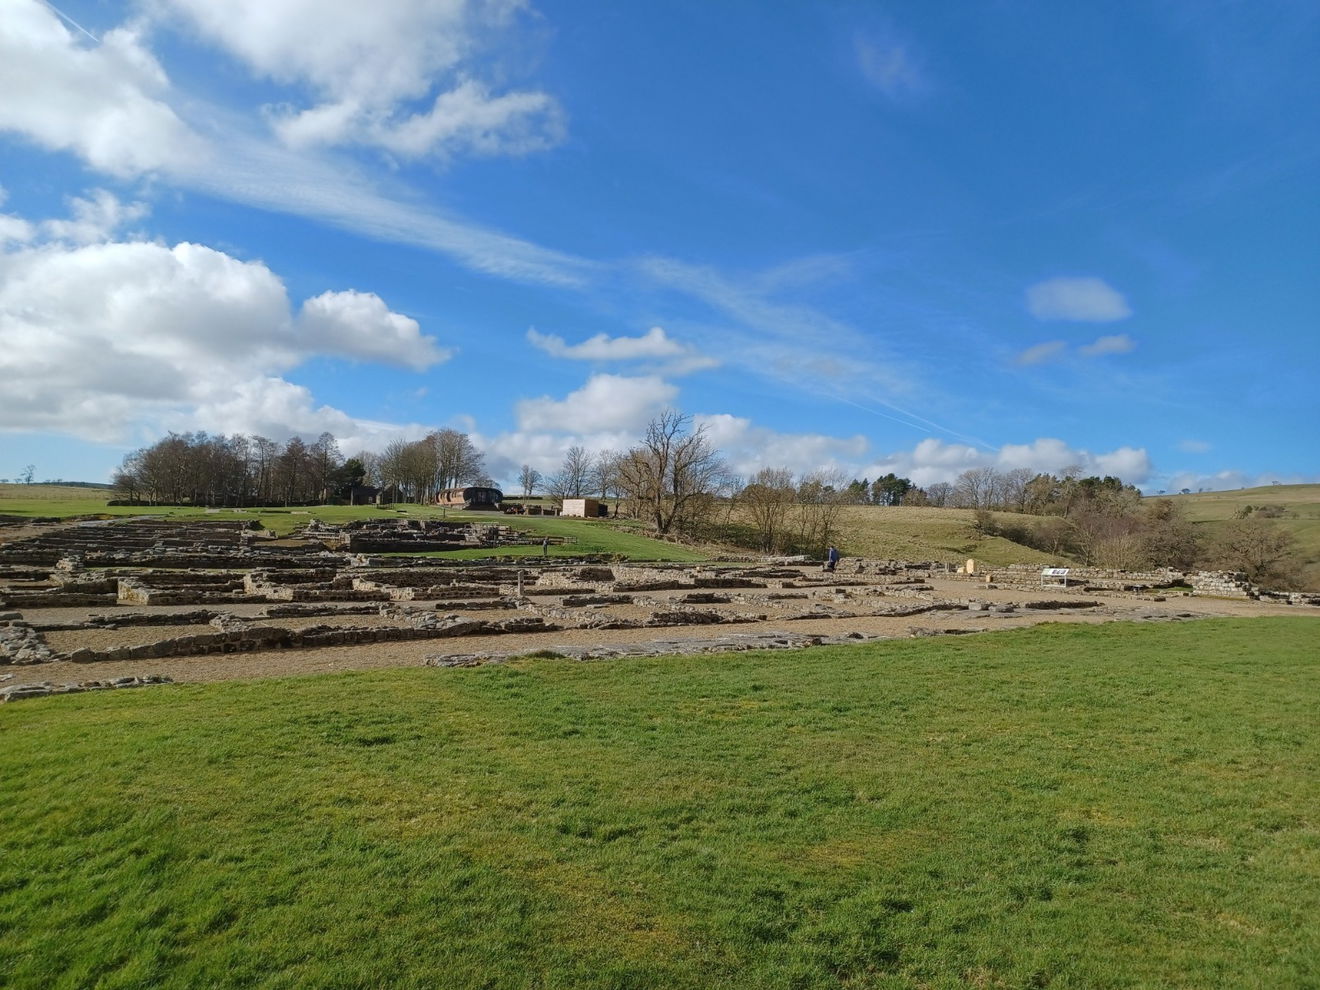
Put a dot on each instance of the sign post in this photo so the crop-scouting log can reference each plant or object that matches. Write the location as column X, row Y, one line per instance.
column 1059, row 575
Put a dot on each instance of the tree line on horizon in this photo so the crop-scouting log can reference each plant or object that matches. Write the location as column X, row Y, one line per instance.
column 241, row 470
column 679, row 484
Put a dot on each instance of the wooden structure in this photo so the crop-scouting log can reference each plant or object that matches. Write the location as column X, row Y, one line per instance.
column 471, row 497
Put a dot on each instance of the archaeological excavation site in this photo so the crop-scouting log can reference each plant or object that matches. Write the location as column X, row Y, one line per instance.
column 113, row 604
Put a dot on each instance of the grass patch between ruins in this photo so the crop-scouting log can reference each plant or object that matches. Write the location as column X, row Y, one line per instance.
column 584, row 536
column 1063, row 806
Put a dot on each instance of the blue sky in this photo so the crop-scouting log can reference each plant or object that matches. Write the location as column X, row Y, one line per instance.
column 861, row 237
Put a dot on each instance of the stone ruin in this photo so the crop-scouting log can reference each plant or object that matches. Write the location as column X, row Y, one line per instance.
column 374, row 536
column 1235, row 584
column 150, row 589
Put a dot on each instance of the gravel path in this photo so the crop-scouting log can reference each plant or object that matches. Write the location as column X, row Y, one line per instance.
column 256, row 665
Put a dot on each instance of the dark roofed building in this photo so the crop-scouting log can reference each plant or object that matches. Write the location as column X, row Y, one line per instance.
column 471, row 497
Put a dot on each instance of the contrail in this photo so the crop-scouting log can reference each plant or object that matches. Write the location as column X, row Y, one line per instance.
column 914, row 420
column 67, row 19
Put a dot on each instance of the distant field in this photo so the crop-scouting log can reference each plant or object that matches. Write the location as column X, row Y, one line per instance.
column 1064, row 806
column 1300, row 505
column 53, row 500
column 1302, row 501
column 916, row 533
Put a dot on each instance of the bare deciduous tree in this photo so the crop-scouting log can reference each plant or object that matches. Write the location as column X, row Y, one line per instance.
column 370, row 466
column 766, row 501
column 1262, row 549
column 976, row 488
column 528, row 478
column 324, row 457
column 820, row 499
column 457, row 460
column 573, row 479
column 669, row 471
column 1013, row 489
column 939, row 493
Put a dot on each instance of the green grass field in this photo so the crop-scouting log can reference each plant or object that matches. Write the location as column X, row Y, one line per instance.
column 586, row 536
column 1062, row 806
column 590, row 536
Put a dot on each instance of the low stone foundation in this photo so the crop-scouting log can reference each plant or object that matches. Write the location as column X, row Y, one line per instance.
column 22, row 692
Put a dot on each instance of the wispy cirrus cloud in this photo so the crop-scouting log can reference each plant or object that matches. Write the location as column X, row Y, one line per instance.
column 111, row 103
column 1041, row 353
column 800, row 346
column 892, row 65
column 1115, row 344
column 1053, row 350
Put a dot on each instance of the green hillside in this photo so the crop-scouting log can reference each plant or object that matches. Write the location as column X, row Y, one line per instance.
column 1295, row 508
column 918, row 533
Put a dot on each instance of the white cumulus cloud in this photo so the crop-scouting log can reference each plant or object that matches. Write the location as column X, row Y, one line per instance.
column 604, row 403
column 97, row 338
column 747, row 447
column 1085, row 299
column 933, row 460
column 402, row 75
column 360, row 325
column 95, row 218
column 105, row 102
column 654, row 345
column 275, row 408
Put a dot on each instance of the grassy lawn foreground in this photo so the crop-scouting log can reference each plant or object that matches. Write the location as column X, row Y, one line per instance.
column 1064, row 806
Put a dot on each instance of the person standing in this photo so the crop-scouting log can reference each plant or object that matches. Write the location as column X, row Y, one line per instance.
column 831, row 559
column 545, row 546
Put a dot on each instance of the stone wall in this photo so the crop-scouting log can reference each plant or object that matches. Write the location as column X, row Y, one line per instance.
column 1223, row 584
column 1098, row 578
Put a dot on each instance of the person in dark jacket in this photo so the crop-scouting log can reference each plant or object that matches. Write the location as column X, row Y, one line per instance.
column 831, row 559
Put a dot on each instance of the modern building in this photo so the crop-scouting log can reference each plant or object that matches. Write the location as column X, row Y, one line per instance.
column 585, row 508
column 471, row 497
